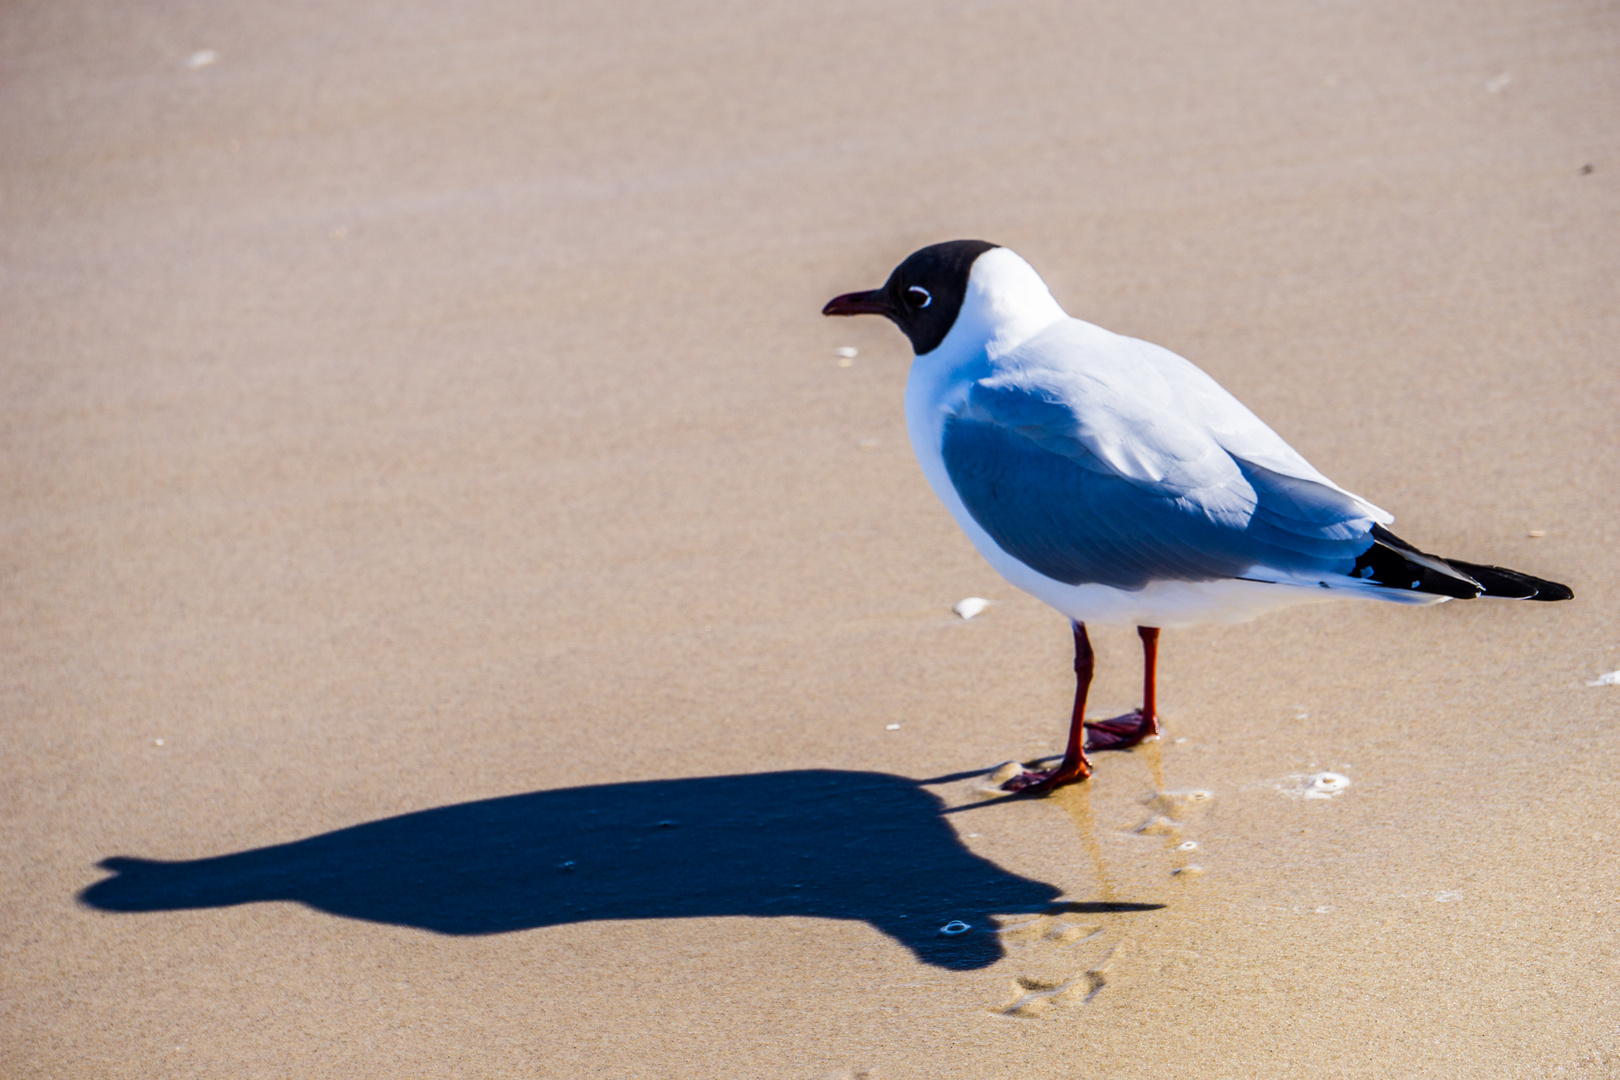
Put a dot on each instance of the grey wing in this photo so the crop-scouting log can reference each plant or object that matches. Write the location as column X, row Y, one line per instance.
column 1071, row 517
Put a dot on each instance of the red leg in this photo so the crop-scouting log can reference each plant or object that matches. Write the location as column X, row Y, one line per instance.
column 1124, row 732
column 1075, row 766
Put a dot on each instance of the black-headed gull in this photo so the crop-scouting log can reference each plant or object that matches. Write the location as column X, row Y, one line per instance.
column 1120, row 484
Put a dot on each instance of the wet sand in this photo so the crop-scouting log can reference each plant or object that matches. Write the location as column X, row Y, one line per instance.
column 424, row 410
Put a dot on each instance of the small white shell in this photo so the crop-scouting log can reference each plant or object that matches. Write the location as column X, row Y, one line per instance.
column 846, row 352
column 891, row 727
column 970, row 607
column 1611, row 679
column 201, row 58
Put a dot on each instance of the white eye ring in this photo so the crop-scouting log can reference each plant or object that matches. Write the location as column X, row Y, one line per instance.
column 927, row 298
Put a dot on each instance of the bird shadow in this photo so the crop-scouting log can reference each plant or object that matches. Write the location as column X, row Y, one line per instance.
column 823, row 843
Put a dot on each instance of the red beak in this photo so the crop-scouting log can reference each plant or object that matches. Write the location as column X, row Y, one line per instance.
column 859, row 303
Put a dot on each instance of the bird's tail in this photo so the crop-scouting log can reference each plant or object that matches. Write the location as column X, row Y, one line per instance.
column 1396, row 564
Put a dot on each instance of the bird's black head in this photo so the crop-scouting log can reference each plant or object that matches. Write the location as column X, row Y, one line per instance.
column 923, row 294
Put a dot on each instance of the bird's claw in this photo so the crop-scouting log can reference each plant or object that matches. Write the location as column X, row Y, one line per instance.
column 1122, row 732
column 1045, row 780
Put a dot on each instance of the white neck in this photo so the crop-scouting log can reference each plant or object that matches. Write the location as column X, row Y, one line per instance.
column 1006, row 304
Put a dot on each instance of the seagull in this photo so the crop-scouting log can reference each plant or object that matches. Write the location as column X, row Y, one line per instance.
column 1117, row 482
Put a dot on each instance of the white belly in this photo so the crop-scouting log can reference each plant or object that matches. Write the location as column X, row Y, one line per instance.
column 1168, row 604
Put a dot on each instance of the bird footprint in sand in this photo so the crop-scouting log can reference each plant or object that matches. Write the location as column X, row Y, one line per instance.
column 1066, row 963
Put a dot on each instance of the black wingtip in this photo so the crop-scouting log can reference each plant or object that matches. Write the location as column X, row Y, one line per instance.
column 1396, row 564
column 1507, row 584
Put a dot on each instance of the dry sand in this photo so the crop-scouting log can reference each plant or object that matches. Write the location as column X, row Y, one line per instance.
column 407, row 406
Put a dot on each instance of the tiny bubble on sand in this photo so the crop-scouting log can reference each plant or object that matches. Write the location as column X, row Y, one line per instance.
column 201, row 58
column 954, row 927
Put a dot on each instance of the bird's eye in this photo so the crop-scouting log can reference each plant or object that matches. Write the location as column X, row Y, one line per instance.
column 918, row 297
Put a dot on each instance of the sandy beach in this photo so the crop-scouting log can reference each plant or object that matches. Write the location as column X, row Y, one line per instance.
column 461, row 617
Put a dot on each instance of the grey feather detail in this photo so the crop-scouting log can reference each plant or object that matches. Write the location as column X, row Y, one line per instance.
column 1070, row 517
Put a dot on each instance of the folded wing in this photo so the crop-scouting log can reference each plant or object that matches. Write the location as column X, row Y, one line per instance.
column 1093, row 459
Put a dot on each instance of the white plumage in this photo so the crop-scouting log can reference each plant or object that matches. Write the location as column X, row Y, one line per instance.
column 1120, row 484
column 1148, row 417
